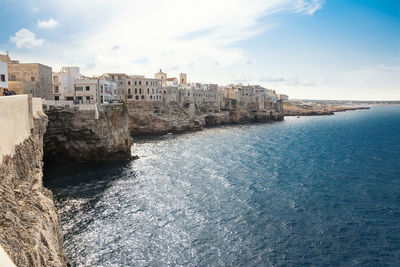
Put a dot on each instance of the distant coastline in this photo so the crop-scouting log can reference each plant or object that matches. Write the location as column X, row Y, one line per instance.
column 316, row 109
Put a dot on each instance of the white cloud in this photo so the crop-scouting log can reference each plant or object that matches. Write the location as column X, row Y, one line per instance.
column 175, row 33
column 47, row 24
column 26, row 39
column 35, row 9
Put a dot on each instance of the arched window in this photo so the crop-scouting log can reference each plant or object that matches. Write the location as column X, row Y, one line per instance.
column 137, row 97
column 140, row 91
column 148, row 91
column 135, row 91
column 151, row 97
column 129, row 91
column 152, row 91
column 142, row 97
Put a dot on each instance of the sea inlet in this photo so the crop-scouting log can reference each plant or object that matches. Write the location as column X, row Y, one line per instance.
column 305, row 191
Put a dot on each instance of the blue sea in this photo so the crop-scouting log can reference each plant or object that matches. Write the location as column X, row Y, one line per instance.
column 319, row 191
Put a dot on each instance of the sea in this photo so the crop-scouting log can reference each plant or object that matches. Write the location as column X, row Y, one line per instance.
column 307, row 191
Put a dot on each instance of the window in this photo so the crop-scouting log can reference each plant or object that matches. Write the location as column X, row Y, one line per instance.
column 140, row 82
column 151, row 97
column 87, row 88
column 56, row 98
column 32, row 79
column 135, row 82
column 129, row 82
column 88, row 99
column 140, row 91
column 55, row 79
column 135, row 91
column 137, row 97
column 78, row 88
column 152, row 91
column 101, row 87
column 56, row 89
column 3, row 78
column 148, row 91
column 13, row 78
column 129, row 91
column 142, row 97
column 147, row 83
column 69, row 98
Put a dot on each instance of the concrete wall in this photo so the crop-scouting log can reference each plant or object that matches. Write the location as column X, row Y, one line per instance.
column 16, row 116
column 5, row 259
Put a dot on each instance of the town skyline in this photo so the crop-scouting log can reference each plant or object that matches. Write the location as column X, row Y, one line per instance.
column 301, row 48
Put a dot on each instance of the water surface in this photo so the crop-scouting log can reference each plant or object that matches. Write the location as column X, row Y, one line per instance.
column 305, row 191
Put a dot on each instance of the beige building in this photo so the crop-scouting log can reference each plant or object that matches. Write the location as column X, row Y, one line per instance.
column 183, row 79
column 161, row 76
column 140, row 88
column 92, row 91
column 36, row 78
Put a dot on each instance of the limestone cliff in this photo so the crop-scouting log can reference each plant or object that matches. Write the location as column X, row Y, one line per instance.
column 29, row 227
column 78, row 135
column 154, row 118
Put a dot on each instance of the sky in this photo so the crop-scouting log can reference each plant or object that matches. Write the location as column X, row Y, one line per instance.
column 309, row 49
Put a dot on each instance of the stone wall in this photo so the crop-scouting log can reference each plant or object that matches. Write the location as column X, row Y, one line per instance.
column 87, row 135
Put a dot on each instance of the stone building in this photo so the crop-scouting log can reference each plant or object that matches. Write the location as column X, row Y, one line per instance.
column 3, row 76
column 161, row 76
column 183, row 79
column 170, row 95
column 32, row 78
column 120, row 81
column 140, row 88
column 64, row 82
column 284, row 98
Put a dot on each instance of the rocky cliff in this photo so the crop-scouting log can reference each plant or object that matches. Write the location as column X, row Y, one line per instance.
column 29, row 227
column 315, row 109
column 84, row 135
column 154, row 118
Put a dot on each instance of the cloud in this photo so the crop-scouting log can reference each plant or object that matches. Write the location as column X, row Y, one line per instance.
column 26, row 39
column 174, row 33
column 35, row 9
column 309, row 7
column 47, row 24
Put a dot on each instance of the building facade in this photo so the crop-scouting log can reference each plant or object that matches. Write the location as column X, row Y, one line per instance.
column 3, row 76
column 120, row 80
column 140, row 88
column 29, row 78
column 64, row 82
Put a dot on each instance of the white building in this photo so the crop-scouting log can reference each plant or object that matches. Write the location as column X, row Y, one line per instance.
column 64, row 83
column 3, row 76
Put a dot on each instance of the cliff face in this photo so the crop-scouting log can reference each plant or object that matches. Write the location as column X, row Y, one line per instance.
column 315, row 110
column 77, row 135
column 29, row 228
column 156, row 119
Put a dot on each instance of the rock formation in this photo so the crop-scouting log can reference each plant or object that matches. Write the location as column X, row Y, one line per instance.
column 29, row 227
column 78, row 135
